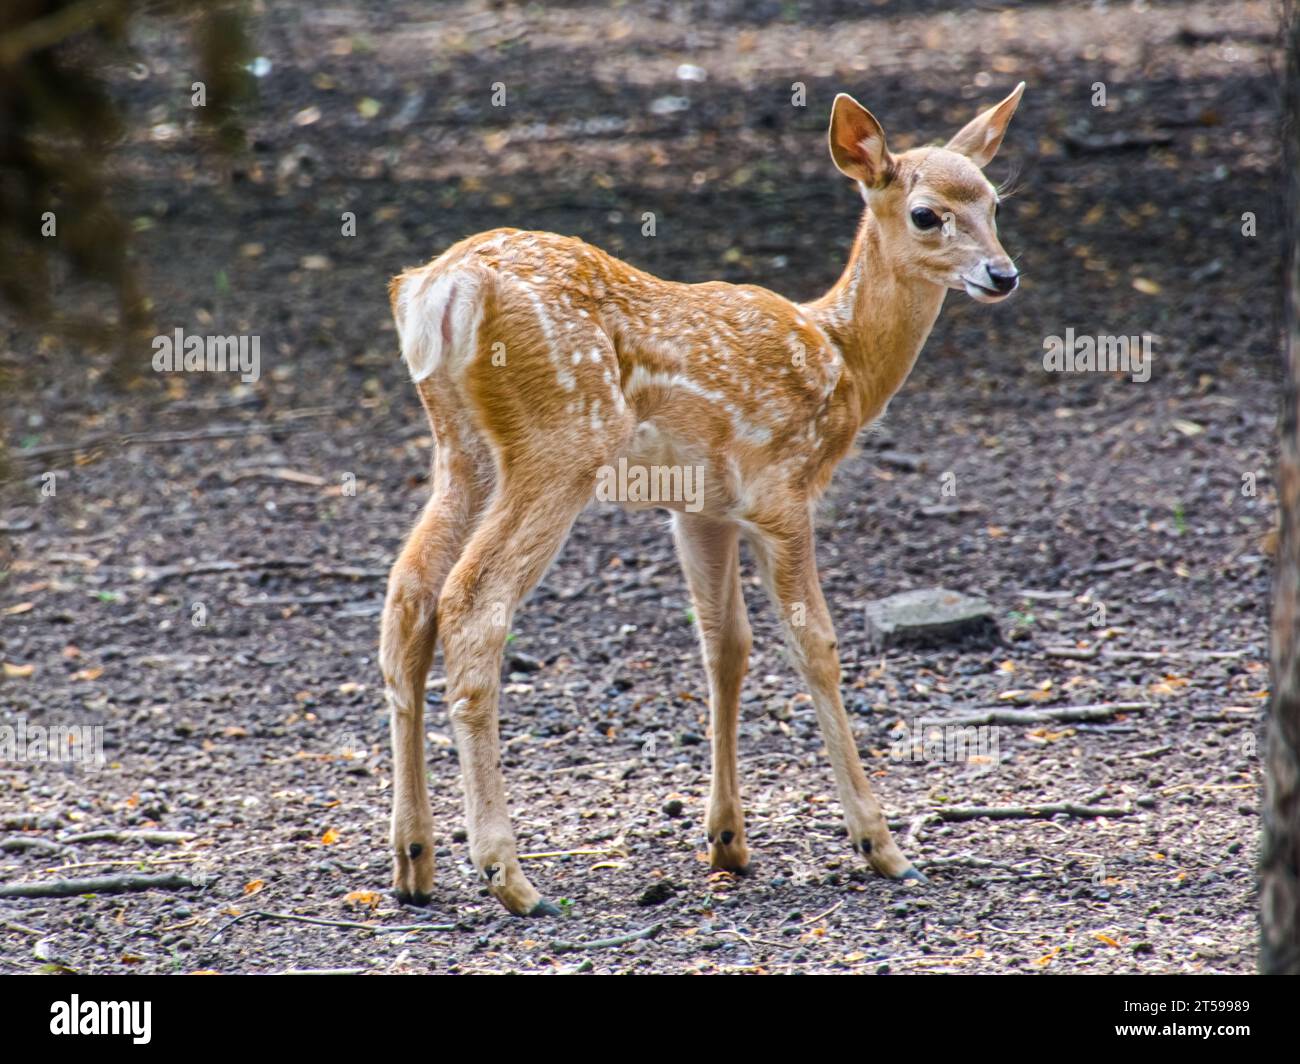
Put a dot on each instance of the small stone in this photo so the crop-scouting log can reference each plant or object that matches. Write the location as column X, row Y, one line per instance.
column 657, row 893
column 674, row 807
column 929, row 617
column 520, row 662
column 901, row 460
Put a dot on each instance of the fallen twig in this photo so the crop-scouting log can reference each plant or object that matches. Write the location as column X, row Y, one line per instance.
column 589, row 765
column 1098, row 711
column 964, row 862
column 63, row 888
column 1026, row 812
column 130, row 862
column 301, row 600
column 1093, row 653
column 619, row 851
column 821, row 915
column 1155, row 751
column 145, row 439
column 350, row 925
column 109, row 835
column 750, row 941
column 24, row 929
column 341, row 572
column 291, row 476
column 1094, row 144
column 561, row 946
column 168, row 572
column 29, row 842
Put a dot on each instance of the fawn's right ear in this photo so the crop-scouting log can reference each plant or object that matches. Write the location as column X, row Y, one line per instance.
column 858, row 143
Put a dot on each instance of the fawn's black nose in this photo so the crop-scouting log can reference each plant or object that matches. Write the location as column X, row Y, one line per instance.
column 1003, row 281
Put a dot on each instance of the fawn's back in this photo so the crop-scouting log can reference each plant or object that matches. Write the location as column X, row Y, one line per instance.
column 733, row 380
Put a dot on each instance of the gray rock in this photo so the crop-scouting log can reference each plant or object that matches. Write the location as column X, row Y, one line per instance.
column 929, row 617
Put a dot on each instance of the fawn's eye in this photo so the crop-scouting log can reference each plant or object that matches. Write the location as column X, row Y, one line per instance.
column 924, row 218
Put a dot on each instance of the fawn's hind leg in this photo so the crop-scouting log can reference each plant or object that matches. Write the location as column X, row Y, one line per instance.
column 523, row 528
column 710, row 557
column 407, row 637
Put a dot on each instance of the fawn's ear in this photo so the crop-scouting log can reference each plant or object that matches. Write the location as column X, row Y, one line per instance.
column 981, row 137
column 858, row 143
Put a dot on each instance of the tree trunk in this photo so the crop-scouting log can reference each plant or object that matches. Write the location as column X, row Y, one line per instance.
column 1280, row 856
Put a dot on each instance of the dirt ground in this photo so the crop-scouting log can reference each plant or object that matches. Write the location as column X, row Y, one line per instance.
column 1096, row 513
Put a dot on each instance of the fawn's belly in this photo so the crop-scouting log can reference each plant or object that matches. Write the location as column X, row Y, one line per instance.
column 662, row 466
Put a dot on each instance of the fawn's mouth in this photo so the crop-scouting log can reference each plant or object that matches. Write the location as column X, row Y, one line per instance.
column 984, row 295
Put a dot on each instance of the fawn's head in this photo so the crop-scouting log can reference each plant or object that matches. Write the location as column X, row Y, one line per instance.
column 934, row 208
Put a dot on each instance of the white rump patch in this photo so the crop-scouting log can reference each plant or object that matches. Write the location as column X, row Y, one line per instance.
column 438, row 320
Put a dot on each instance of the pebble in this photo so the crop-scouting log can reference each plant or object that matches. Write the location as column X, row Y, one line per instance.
column 657, row 893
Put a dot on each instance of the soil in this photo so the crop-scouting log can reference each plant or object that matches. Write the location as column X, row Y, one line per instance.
column 242, row 704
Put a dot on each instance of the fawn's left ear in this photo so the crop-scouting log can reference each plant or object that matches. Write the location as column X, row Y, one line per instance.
column 981, row 137
column 858, row 143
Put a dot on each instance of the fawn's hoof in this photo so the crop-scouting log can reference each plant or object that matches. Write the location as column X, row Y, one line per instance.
column 413, row 873
column 728, row 852
column 507, row 883
column 888, row 860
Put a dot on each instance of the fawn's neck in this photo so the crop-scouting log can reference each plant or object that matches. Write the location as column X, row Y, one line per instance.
column 879, row 319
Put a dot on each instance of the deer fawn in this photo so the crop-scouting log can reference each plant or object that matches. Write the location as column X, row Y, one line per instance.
column 541, row 360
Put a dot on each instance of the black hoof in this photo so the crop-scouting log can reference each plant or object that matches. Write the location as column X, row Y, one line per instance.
column 418, row 897
column 545, row 908
column 912, row 873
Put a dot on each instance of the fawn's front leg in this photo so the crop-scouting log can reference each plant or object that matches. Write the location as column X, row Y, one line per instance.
column 710, row 556
column 786, row 559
